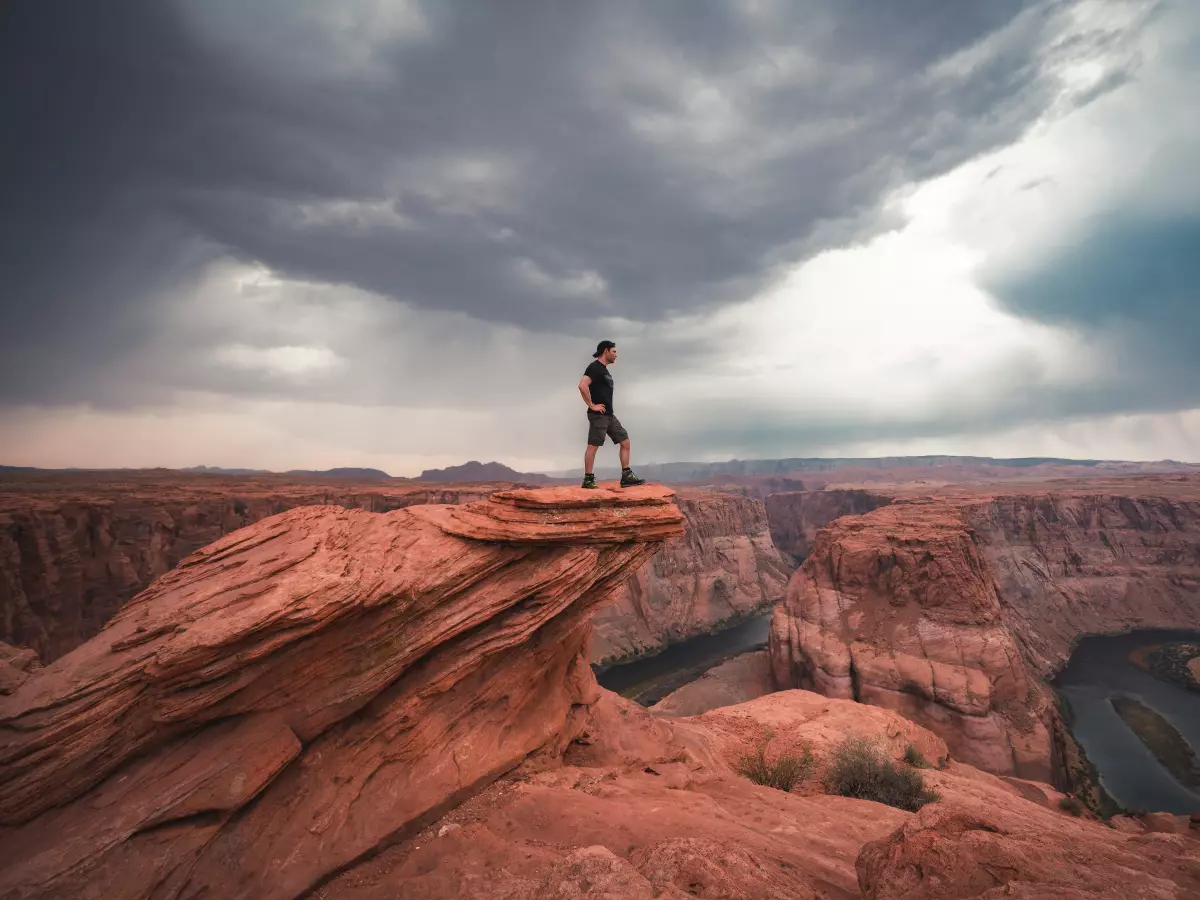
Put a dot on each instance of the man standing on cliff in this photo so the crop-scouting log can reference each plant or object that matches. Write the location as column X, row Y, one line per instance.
column 596, row 387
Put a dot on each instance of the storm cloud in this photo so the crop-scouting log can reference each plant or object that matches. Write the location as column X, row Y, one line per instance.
column 523, row 163
column 383, row 201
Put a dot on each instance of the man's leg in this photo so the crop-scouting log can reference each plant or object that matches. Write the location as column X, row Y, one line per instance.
column 589, row 456
column 621, row 437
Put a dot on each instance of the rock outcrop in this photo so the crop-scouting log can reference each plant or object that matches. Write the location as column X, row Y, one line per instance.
column 953, row 609
column 795, row 517
column 74, row 549
column 724, row 569
column 647, row 807
column 306, row 689
column 344, row 705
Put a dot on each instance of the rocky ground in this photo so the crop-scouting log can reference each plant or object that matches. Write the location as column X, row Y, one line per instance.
column 345, row 704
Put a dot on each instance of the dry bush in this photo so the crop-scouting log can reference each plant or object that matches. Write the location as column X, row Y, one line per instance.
column 859, row 769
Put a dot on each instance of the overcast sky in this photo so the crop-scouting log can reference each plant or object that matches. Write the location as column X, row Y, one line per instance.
column 296, row 233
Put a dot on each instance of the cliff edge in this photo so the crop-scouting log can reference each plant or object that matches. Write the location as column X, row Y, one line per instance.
column 307, row 688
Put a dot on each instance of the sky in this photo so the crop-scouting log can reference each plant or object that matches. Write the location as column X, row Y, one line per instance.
column 297, row 234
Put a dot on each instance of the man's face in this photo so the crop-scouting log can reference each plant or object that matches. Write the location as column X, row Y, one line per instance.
column 609, row 356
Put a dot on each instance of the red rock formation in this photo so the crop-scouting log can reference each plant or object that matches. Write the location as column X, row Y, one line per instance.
column 649, row 807
column 795, row 517
column 952, row 609
column 74, row 548
column 305, row 689
column 326, row 704
column 724, row 569
column 16, row 665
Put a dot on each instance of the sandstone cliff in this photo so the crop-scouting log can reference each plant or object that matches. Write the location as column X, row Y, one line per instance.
column 338, row 704
column 795, row 517
column 725, row 568
column 74, row 549
column 953, row 609
column 306, row 688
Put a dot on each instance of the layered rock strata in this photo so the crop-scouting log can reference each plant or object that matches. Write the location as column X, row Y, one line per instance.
column 795, row 517
column 74, row 549
column 305, row 689
column 954, row 609
column 724, row 569
column 337, row 704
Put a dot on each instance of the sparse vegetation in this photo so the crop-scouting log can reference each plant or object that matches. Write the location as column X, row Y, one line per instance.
column 1071, row 805
column 915, row 757
column 860, row 769
column 784, row 773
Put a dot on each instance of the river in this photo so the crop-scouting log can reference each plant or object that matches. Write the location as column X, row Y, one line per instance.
column 1099, row 670
column 649, row 680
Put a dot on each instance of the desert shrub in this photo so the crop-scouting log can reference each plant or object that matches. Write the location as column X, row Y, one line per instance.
column 915, row 757
column 1070, row 805
column 784, row 773
column 859, row 769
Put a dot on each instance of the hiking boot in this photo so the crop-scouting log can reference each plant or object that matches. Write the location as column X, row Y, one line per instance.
column 589, row 481
column 628, row 479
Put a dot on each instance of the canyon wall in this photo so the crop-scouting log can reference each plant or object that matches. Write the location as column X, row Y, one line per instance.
column 795, row 517
column 724, row 568
column 343, row 705
column 75, row 549
column 69, row 559
column 301, row 691
column 954, row 609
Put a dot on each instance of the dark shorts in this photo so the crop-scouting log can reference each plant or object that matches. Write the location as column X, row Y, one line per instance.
column 601, row 424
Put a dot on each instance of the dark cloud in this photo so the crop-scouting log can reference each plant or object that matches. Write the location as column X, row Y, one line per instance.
column 539, row 164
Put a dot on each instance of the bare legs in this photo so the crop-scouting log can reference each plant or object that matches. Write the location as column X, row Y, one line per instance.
column 589, row 456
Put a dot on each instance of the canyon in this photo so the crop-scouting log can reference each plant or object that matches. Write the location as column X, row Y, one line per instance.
column 74, row 547
column 338, row 703
column 955, row 607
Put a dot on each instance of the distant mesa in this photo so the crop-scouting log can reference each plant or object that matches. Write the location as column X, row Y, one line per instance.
column 349, row 473
column 477, row 471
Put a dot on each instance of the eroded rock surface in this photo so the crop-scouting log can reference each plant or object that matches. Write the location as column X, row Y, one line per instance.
column 354, row 706
column 795, row 517
column 724, row 569
column 651, row 807
column 309, row 687
column 952, row 609
column 75, row 548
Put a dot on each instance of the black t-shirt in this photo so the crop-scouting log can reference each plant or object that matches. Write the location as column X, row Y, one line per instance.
column 602, row 384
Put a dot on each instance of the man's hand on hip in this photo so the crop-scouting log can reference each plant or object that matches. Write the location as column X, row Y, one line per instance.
column 597, row 407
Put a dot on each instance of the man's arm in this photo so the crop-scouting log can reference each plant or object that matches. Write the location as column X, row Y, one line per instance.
column 585, row 390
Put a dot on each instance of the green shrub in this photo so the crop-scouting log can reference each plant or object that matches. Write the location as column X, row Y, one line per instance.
column 859, row 769
column 783, row 774
column 915, row 758
column 1070, row 805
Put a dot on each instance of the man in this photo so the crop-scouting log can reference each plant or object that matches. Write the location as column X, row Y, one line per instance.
column 596, row 386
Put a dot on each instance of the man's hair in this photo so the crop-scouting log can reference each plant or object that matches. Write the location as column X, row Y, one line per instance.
column 601, row 347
